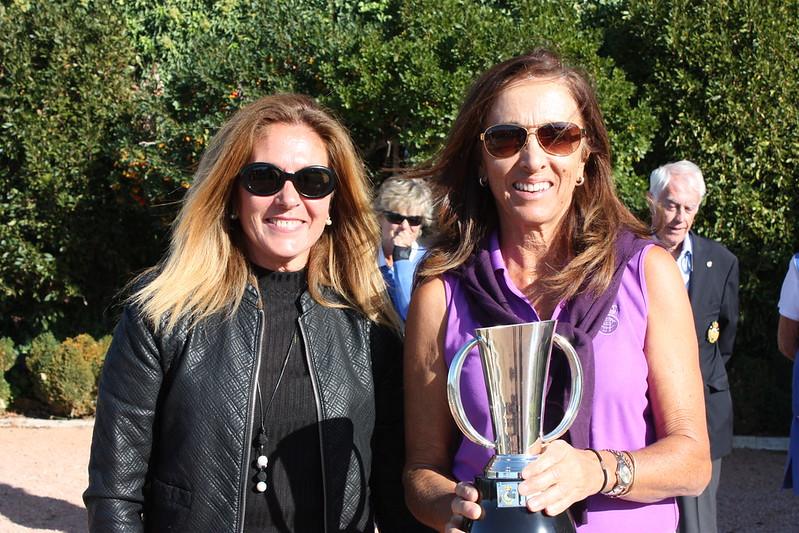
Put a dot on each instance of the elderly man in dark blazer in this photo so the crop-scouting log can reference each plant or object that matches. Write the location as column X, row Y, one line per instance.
column 710, row 272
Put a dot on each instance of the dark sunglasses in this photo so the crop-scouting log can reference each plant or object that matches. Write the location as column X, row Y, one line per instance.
column 396, row 218
column 265, row 179
column 556, row 138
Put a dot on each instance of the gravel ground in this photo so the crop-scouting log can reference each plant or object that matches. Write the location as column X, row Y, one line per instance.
column 43, row 473
column 750, row 498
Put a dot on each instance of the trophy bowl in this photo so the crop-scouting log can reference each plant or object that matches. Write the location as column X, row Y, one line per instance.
column 515, row 361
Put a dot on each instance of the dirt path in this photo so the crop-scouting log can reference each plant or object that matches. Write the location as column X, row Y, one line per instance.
column 43, row 472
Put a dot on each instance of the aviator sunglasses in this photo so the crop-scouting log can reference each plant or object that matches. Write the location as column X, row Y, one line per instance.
column 556, row 138
column 396, row 218
column 266, row 179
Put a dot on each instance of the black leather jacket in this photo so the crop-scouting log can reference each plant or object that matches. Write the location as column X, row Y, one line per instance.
column 171, row 449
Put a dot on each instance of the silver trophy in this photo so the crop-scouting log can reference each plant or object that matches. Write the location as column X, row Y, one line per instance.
column 515, row 360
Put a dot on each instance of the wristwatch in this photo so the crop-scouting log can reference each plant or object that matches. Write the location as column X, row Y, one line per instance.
column 625, row 473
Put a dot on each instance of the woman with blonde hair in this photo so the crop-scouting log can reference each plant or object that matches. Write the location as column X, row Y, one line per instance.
column 405, row 211
column 531, row 229
column 253, row 383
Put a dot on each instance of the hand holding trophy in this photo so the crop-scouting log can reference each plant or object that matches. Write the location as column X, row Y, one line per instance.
column 515, row 360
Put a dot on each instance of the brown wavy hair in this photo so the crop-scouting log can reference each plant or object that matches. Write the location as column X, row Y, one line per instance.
column 206, row 270
column 467, row 212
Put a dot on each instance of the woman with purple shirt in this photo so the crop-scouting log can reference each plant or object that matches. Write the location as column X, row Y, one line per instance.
column 531, row 229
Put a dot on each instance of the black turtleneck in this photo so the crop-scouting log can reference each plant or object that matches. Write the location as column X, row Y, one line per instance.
column 293, row 499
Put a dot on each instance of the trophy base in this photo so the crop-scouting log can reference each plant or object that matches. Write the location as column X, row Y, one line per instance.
column 505, row 510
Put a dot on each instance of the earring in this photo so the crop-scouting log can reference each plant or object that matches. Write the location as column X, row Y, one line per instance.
column 580, row 181
column 329, row 221
column 483, row 181
column 233, row 216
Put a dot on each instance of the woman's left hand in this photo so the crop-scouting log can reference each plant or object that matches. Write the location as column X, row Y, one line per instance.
column 560, row 476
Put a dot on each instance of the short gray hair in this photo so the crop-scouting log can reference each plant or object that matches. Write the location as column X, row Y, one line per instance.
column 401, row 193
column 659, row 178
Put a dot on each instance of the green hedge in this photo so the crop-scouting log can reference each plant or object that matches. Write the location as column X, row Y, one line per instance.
column 8, row 356
column 108, row 106
column 65, row 374
column 723, row 78
column 71, row 231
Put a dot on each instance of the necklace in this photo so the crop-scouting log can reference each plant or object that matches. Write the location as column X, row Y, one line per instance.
column 262, row 461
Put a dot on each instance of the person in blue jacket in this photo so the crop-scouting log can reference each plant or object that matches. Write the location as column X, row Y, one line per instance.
column 788, row 343
column 405, row 211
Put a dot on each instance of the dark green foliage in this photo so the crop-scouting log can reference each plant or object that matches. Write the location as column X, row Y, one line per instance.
column 395, row 71
column 65, row 374
column 761, row 395
column 8, row 355
column 66, row 220
column 108, row 106
column 723, row 78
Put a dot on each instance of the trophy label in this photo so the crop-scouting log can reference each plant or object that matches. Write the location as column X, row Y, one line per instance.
column 508, row 495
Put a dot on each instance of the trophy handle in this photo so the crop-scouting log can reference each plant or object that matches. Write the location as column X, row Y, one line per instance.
column 576, row 388
column 454, row 396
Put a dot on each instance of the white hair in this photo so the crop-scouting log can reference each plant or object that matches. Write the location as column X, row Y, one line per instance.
column 659, row 178
column 402, row 193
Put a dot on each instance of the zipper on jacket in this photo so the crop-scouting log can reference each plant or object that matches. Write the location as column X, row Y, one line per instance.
column 317, row 399
column 251, row 418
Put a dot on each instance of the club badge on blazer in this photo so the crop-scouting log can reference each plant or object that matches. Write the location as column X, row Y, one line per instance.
column 713, row 332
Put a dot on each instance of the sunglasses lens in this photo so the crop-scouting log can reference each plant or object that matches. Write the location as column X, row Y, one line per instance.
column 504, row 140
column 396, row 218
column 559, row 138
column 314, row 182
column 262, row 179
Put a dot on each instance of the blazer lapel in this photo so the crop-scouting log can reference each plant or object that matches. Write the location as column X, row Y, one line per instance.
column 699, row 272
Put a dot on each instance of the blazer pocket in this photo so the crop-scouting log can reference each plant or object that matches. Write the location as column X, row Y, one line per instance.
column 167, row 507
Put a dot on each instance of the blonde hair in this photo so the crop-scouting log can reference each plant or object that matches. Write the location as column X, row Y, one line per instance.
column 206, row 270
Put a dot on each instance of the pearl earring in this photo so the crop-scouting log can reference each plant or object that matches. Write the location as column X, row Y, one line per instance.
column 329, row 221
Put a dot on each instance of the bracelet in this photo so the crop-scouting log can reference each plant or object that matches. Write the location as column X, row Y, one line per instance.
column 631, row 457
column 604, row 470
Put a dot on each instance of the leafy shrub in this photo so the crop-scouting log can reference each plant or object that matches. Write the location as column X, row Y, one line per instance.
column 723, row 78
column 65, row 374
column 66, row 86
column 396, row 84
column 8, row 354
column 92, row 351
column 757, row 413
column 108, row 106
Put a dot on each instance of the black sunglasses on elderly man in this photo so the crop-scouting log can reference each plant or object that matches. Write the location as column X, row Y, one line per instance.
column 556, row 138
column 266, row 179
column 396, row 218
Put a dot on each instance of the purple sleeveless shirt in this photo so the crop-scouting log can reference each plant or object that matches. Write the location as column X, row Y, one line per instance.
column 621, row 418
